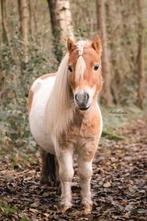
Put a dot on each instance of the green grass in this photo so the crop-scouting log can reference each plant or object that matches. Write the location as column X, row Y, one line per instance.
column 116, row 117
column 8, row 211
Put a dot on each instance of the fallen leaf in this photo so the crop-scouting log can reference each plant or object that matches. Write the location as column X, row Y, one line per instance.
column 107, row 184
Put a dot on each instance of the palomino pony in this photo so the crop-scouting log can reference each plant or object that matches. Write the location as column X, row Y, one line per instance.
column 65, row 118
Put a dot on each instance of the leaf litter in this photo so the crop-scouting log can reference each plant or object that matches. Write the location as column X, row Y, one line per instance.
column 118, row 185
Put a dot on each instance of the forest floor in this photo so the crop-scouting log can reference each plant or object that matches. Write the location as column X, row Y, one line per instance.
column 118, row 184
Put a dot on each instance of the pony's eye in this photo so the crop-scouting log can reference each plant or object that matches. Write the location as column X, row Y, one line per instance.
column 96, row 67
column 70, row 68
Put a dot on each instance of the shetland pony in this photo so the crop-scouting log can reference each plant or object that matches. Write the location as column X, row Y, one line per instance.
column 65, row 118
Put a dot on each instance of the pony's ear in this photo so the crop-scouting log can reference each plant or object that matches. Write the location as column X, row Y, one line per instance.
column 70, row 44
column 97, row 45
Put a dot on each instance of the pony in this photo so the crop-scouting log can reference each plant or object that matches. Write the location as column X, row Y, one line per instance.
column 65, row 118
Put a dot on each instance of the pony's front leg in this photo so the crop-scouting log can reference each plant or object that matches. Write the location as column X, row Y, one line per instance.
column 85, row 173
column 66, row 173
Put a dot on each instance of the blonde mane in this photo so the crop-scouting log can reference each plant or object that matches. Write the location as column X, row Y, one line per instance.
column 59, row 111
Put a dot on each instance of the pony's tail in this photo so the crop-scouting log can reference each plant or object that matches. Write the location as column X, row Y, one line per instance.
column 49, row 173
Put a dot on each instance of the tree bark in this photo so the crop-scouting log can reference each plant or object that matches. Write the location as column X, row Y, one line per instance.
column 5, row 31
column 33, row 27
column 24, row 18
column 61, row 23
column 5, row 37
column 105, row 55
column 141, row 77
column 31, row 30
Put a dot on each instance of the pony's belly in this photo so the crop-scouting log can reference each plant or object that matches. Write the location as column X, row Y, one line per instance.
column 39, row 134
column 37, row 117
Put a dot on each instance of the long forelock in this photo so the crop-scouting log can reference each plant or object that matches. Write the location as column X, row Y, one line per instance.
column 80, row 47
column 80, row 65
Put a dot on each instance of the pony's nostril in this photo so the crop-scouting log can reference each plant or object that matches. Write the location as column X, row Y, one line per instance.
column 76, row 97
column 86, row 97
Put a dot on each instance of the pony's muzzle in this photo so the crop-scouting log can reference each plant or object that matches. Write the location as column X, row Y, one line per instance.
column 82, row 99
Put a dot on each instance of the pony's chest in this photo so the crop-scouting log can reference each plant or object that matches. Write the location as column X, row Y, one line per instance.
column 80, row 131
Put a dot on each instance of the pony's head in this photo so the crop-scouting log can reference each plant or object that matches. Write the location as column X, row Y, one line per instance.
column 84, row 71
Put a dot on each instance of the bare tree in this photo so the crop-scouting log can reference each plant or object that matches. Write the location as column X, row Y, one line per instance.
column 140, row 54
column 5, row 37
column 61, row 23
column 5, row 31
column 33, row 19
column 31, row 28
column 105, row 55
column 24, row 17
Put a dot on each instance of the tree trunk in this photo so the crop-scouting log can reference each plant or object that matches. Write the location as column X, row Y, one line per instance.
column 105, row 55
column 140, row 54
column 24, row 18
column 31, row 30
column 5, row 37
column 33, row 27
column 61, row 23
column 5, row 31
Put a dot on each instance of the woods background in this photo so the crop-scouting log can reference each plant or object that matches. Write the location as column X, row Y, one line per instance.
column 33, row 36
column 33, row 40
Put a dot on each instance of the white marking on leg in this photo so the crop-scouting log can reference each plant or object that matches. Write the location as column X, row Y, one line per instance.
column 85, row 173
column 66, row 173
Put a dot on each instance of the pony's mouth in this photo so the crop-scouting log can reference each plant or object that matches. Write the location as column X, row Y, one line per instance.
column 83, row 108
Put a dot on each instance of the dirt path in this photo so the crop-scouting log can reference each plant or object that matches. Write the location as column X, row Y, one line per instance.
column 118, row 184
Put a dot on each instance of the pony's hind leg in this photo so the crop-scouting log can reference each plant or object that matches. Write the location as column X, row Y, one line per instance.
column 48, row 170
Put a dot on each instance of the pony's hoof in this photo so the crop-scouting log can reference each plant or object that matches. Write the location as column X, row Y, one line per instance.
column 87, row 209
column 52, row 183
column 64, row 209
column 44, row 180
